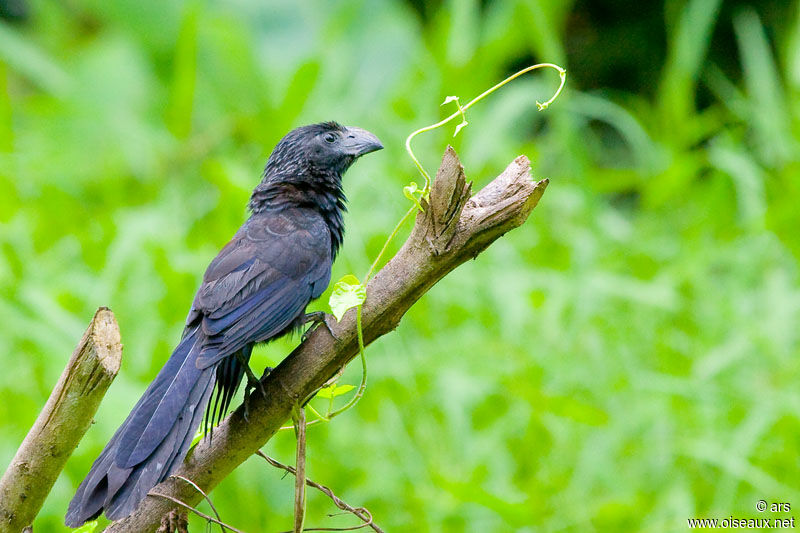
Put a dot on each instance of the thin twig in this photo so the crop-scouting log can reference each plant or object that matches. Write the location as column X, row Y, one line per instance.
column 300, row 459
column 210, row 503
column 360, row 512
column 195, row 511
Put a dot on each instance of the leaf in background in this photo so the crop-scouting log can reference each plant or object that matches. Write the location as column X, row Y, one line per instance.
column 182, row 90
column 688, row 45
column 769, row 105
column 26, row 58
column 347, row 292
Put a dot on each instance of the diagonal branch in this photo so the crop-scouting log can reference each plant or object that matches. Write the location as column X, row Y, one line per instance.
column 61, row 424
column 454, row 227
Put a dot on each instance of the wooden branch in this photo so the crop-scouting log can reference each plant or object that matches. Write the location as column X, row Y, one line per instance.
column 61, row 424
column 454, row 228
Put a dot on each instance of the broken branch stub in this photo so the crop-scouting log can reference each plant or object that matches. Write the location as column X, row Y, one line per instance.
column 61, row 424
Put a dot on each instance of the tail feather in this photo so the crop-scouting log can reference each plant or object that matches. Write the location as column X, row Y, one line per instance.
column 229, row 375
column 151, row 442
column 160, row 408
column 165, row 458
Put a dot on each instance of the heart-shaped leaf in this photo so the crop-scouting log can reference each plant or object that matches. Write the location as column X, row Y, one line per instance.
column 348, row 292
column 411, row 191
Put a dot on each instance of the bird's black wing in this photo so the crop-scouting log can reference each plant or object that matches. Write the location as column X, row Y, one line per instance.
column 255, row 288
column 262, row 281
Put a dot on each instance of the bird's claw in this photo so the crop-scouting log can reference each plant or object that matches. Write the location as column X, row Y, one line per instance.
column 258, row 385
column 316, row 318
column 253, row 383
column 246, row 404
column 248, row 388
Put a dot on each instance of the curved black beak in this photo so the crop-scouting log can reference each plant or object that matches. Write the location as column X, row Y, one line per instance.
column 358, row 142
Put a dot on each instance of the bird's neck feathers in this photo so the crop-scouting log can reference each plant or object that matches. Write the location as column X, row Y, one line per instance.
column 320, row 190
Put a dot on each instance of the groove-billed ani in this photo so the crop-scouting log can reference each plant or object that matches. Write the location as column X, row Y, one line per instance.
column 255, row 290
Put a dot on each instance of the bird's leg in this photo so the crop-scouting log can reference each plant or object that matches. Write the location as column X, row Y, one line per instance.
column 316, row 318
column 252, row 383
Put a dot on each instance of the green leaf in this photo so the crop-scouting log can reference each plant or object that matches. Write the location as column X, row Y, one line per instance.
column 342, row 389
column 463, row 117
column 326, row 392
column 333, row 390
column 410, row 191
column 348, row 292
column 88, row 527
column 21, row 53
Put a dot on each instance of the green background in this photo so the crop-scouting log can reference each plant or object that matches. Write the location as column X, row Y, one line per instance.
column 624, row 361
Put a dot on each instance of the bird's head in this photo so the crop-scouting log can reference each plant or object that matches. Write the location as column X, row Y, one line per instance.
column 323, row 147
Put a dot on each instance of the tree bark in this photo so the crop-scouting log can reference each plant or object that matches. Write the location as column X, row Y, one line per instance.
column 454, row 227
column 61, row 424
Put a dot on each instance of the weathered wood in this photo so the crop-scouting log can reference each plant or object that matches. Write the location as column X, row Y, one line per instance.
column 60, row 426
column 454, row 228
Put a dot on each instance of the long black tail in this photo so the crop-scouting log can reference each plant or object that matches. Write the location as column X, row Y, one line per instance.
column 155, row 437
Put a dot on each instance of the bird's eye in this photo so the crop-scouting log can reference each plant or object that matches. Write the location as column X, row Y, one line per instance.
column 330, row 137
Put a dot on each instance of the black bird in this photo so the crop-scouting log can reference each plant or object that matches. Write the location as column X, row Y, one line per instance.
column 255, row 290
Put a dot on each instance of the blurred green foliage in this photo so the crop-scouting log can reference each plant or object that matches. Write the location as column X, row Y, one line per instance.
column 627, row 359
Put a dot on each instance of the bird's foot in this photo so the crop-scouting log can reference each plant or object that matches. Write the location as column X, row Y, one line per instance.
column 252, row 383
column 246, row 403
column 316, row 318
